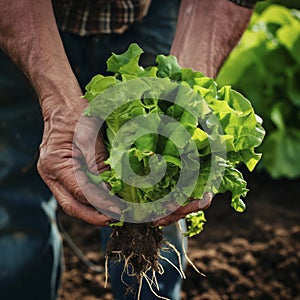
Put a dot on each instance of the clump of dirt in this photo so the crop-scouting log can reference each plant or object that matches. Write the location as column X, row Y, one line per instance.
column 138, row 246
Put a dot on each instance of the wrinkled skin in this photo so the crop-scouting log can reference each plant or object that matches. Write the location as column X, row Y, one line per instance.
column 62, row 155
column 193, row 206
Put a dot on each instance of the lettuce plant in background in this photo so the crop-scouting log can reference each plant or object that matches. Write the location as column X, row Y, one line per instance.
column 265, row 67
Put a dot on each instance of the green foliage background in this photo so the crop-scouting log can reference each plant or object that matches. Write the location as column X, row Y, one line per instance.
column 265, row 67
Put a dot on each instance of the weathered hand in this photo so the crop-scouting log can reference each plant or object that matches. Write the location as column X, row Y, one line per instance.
column 193, row 206
column 63, row 152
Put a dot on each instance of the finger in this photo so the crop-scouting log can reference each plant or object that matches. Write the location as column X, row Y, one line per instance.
column 68, row 172
column 165, row 221
column 79, row 210
column 60, row 167
column 78, row 186
column 88, row 139
column 97, row 195
column 193, row 206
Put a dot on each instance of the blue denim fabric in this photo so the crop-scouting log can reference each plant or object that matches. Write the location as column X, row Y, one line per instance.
column 30, row 245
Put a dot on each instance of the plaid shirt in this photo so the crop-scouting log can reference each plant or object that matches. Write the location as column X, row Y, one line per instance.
column 86, row 17
column 98, row 16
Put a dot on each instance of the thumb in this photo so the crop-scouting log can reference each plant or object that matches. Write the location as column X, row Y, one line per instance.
column 89, row 139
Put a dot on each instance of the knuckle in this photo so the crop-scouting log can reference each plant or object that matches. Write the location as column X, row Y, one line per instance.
column 45, row 166
column 78, row 195
column 70, row 210
column 67, row 208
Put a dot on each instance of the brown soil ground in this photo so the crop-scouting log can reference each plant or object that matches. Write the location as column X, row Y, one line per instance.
column 253, row 255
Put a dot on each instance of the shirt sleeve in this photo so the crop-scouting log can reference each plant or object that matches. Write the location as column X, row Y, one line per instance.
column 245, row 3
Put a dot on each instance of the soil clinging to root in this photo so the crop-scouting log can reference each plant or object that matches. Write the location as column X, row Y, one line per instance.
column 138, row 246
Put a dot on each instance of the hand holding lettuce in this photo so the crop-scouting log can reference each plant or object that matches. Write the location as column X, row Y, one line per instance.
column 197, row 102
column 172, row 135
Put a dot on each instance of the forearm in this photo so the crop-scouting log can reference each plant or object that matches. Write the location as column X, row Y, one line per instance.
column 206, row 33
column 29, row 35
